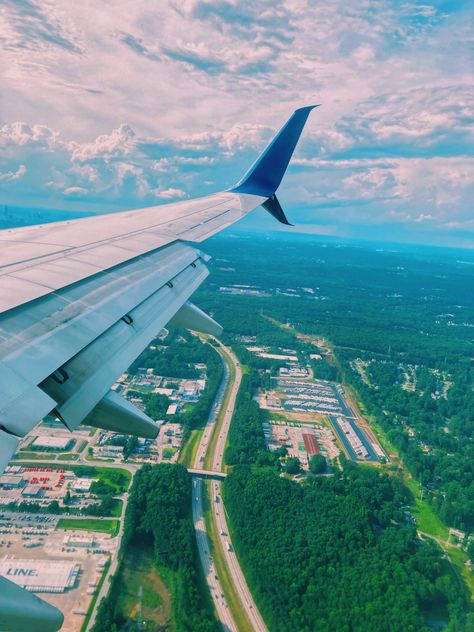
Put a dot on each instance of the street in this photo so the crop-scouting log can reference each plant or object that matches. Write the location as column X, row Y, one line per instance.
column 218, row 511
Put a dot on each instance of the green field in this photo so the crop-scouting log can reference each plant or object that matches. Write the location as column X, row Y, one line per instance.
column 90, row 524
column 39, row 456
column 117, row 477
column 189, row 450
column 142, row 592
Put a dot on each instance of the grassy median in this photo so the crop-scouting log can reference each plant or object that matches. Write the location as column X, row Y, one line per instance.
column 209, row 458
column 232, row 598
column 189, row 450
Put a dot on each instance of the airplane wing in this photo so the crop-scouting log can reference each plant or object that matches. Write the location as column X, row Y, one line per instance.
column 80, row 299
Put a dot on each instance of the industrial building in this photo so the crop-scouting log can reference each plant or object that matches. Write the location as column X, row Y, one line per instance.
column 81, row 541
column 40, row 575
column 311, row 444
column 9, row 481
column 52, row 443
column 32, row 491
column 81, row 485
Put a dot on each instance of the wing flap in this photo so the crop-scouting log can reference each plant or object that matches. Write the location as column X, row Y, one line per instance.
column 8, row 446
column 21, row 610
column 93, row 370
column 116, row 413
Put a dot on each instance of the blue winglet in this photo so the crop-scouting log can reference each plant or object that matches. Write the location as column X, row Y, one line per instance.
column 264, row 176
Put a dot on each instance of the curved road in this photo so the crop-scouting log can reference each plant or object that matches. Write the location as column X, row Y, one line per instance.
column 216, row 406
column 218, row 510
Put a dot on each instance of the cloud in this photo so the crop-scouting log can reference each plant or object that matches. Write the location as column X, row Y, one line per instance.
column 34, row 26
column 18, row 134
column 169, row 194
column 119, row 143
column 136, row 44
column 81, row 191
column 124, row 107
column 12, row 176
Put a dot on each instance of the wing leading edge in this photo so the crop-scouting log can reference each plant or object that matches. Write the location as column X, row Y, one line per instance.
column 80, row 300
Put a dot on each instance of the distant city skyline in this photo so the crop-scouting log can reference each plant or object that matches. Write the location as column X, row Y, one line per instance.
column 110, row 109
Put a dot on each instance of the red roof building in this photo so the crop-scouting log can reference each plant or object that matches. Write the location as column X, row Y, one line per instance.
column 311, row 444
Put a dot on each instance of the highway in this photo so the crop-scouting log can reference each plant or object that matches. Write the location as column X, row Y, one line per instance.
column 217, row 508
column 206, row 435
column 217, row 593
column 223, row 611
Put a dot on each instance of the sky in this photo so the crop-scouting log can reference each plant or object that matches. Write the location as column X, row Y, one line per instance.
column 117, row 105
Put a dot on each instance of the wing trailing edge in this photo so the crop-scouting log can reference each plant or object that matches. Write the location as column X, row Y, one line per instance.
column 22, row 610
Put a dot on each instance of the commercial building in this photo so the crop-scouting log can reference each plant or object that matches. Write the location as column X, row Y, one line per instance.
column 40, row 575
column 52, row 443
column 81, row 541
column 81, row 485
column 311, row 444
column 12, row 481
column 32, row 491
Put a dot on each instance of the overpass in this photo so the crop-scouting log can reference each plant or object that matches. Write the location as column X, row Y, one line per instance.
column 220, row 476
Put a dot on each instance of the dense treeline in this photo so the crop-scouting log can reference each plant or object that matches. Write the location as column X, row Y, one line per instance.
column 159, row 512
column 323, row 370
column 383, row 305
column 199, row 413
column 380, row 301
column 173, row 357
column 335, row 554
column 434, row 436
column 246, row 439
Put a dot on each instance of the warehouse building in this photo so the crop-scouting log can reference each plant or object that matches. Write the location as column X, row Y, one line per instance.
column 311, row 445
column 81, row 485
column 52, row 443
column 12, row 481
column 81, row 541
column 40, row 575
column 32, row 491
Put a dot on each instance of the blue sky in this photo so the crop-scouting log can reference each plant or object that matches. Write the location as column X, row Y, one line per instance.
column 107, row 106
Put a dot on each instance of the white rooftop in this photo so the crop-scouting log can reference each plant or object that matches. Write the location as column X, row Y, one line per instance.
column 40, row 575
column 52, row 442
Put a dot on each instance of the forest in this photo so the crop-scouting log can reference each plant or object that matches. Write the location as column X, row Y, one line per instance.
column 395, row 311
column 293, row 544
column 434, row 436
column 174, row 356
column 159, row 515
column 338, row 554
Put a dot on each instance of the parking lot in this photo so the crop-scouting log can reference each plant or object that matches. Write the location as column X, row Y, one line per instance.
column 291, row 436
column 30, row 539
column 324, row 400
